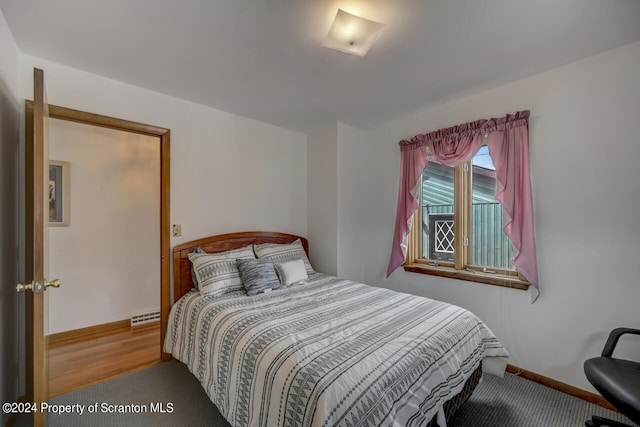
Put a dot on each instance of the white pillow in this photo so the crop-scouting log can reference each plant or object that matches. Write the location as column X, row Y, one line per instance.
column 291, row 272
column 217, row 273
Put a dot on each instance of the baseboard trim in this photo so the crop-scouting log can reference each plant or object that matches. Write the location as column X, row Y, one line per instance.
column 90, row 331
column 103, row 329
column 560, row 386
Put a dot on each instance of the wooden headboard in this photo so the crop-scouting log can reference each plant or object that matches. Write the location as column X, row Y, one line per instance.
column 182, row 282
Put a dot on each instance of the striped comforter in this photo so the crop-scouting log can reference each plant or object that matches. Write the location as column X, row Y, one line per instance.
column 328, row 352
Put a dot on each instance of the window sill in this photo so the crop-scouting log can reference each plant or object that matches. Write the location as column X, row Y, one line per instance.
column 471, row 276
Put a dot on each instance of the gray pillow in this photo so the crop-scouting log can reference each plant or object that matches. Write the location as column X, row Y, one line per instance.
column 258, row 275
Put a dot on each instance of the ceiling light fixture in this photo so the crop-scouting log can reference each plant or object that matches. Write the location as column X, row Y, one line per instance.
column 352, row 34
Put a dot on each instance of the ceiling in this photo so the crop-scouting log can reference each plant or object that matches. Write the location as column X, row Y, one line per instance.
column 262, row 58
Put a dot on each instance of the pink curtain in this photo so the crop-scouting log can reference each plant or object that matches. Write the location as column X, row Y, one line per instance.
column 508, row 142
column 413, row 160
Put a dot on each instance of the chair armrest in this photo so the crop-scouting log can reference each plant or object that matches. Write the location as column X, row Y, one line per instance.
column 613, row 339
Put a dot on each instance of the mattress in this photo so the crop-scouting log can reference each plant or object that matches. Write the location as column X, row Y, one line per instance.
column 329, row 352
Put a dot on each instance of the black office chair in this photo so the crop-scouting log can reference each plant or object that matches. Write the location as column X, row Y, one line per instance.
column 618, row 381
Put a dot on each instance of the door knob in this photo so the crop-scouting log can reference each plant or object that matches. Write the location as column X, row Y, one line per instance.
column 55, row 283
column 38, row 286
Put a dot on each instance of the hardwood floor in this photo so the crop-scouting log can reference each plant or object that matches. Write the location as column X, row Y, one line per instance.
column 77, row 363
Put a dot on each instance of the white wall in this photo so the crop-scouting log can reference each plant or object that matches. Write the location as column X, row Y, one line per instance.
column 322, row 164
column 351, row 185
column 109, row 255
column 11, row 305
column 228, row 173
column 584, row 158
column 336, row 219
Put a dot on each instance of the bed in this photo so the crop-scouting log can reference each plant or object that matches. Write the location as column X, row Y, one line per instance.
column 325, row 351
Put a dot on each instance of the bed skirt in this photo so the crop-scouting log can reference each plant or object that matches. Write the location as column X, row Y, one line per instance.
column 452, row 405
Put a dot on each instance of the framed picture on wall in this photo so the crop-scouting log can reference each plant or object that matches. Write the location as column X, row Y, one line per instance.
column 58, row 193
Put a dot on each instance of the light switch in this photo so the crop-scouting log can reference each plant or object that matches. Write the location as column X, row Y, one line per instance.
column 177, row 230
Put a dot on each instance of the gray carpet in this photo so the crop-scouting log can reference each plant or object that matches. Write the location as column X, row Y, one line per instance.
column 510, row 401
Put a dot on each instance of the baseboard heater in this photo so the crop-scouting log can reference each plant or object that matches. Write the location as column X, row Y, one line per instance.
column 144, row 318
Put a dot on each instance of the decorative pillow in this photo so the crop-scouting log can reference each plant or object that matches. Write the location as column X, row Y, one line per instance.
column 291, row 272
column 197, row 250
column 279, row 253
column 258, row 275
column 217, row 273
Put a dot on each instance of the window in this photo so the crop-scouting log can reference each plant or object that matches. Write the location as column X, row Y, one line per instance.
column 458, row 228
column 451, row 228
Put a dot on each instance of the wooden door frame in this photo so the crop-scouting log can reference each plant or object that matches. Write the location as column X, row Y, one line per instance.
column 68, row 114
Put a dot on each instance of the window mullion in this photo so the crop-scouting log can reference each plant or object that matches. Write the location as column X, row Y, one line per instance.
column 461, row 216
column 414, row 250
column 467, row 210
